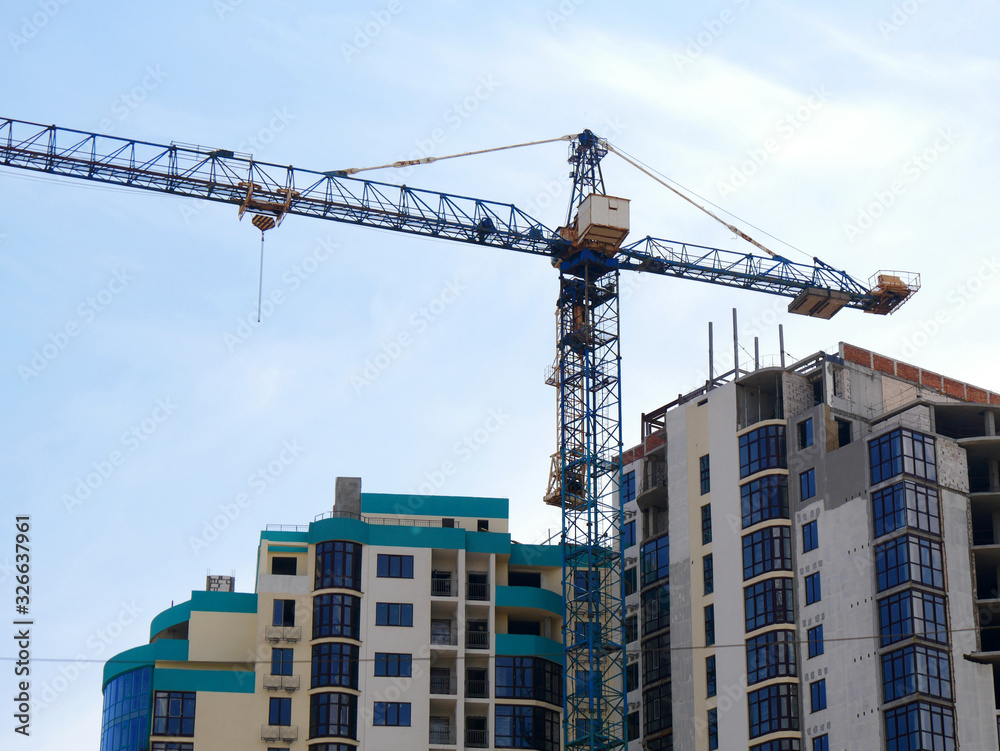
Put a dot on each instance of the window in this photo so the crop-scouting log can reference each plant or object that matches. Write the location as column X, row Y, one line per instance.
column 843, row 432
column 483, row 525
column 657, row 710
column 713, row 729
column 815, row 639
column 773, row 709
column 173, row 746
column 526, row 727
column 281, row 661
column 628, row 487
column 336, row 615
column 821, row 743
column 708, row 573
column 529, row 678
column 632, row 676
column 763, row 448
column 395, row 566
column 631, row 628
column 334, row 665
column 279, row 711
column 806, row 433
column 173, row 713
column 395, row 713
column 810, row 536
column 767, row 602
column 709, row 625
column 710, row 679
column 393, row 614
column 768, row 549
column 906, row 559
column 779, row 744
column 763, row 499
column 633, row 727
column 916, row 669
column 394, row 664
column 284, row 565
column 906, row 504
column 631, row 581
column 628, row 534
column 519, row 578
column 585, row 583
column 706, row 524
column 899, row 451
column 817, row 695
column 807, row 484
column 912, row 613
column 706, row 477
column 338, row 564
column 656, row 659
column 334, row 715
column 771, row 655
column 655, row 560
column 814, row 592
column 655, row 609
column 125, row 720
column 284, row 613
column 920, row 725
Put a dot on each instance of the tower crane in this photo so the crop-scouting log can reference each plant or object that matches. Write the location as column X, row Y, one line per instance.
column 589, row 254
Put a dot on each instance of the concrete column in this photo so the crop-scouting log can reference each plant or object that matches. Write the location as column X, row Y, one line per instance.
column 991, row 423
column 994, row 475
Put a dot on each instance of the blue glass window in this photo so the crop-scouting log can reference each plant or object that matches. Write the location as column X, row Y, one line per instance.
column 655, row 560
column 821, row 743
column 394, row 566
column 768, row 602
column 526, row 727
column 906, row 504
column 657, row 709
column 778, row 744
column 920, row 725
column 708, row 573
column 810, row 536
column 710, row 674
column 768, row 549
column 173, row 713
column 336, row 615
column 706, row 524
column 916, row 669
column 763, row 499
column 395, row 713
column 279, row 711
column 338, row 564
column 807, row 484
column 814, row 592
column 127, row 704
column 529, row 678
column 815, row 639
column 656, row 608
column 713, row 729
column 628, row 534
column 655, row 659
column 773, row 709
column 281, row 661
column 771, row 655
column 899, row 451
column 817, row 695
column 705, row 473
column 763, row 448
column 806, row 433
column 909, row 558
column 393, row 614
column 335, row 664
column 709, row 625
column 333, row 715
column 912, row 613
column 628, row 487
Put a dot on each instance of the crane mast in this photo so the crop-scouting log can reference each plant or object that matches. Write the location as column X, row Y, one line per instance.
column 588, row 252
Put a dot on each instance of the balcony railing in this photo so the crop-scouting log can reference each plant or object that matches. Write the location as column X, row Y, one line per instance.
column 443, row 736
column 477, row 640
column 444, row 685
column 279, row 732
column 282, row 682
column 283, row 633
column 477, row 689
column 444, row 638
column 477, row 738
column 443, row 588
column 477, row 591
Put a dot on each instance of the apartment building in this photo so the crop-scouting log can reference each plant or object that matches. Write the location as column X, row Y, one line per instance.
column 812, row 556
column 390, row 622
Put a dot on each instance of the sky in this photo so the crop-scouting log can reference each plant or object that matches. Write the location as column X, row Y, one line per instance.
column 862, row 133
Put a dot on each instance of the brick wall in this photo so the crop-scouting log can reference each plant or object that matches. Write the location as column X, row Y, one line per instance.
column 913, row 374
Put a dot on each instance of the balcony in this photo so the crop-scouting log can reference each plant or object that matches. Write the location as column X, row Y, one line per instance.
column 443, row 736
column 444, row 685
column 477, row 640
column 652, row 485
column 444, row 588
column 283, row 733
column 282, row 682
column 477, row 738
column 283, row 633
column 476, row 689
column 441, row 638
column 478, row 591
